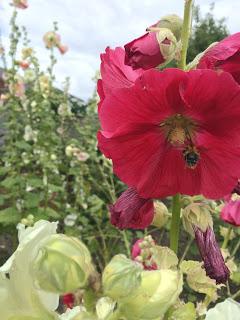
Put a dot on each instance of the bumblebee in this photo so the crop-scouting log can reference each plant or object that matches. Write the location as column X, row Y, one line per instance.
column 191, row 156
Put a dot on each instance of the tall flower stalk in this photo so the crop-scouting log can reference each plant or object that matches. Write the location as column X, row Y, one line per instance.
column 176, row 201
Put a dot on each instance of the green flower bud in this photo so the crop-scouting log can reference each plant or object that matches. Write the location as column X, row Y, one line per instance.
column 63, row 264
column 197, row 214
column 160, row 214
column 121, row 277
column 158, row 291
column 172, row 22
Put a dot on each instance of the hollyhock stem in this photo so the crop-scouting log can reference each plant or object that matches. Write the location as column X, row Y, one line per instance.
column 226, row 239
column 186, row 30
column 175, row 223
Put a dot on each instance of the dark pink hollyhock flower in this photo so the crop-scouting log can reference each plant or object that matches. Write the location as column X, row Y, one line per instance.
column 115, row 74
column 144, row 52
column 231, row 212
column 225, row 56
column 174, row 132
column 131, row 211
column 211, row 255
column 141, row 252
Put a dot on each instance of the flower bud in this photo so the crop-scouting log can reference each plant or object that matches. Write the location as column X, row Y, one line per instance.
column 131, row 211
column 159, row 290
column 198, row 215
column 63, row 264
column 172, row 22
column 151, row 50
column 121, row 277
column 160, row 214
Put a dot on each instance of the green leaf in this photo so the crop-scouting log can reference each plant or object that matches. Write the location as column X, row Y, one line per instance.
column 9, row 216
column 32, row 200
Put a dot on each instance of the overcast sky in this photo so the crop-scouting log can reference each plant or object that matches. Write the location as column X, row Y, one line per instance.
column 88, row 26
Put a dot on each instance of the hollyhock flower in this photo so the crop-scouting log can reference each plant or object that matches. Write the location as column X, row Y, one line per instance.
column 231, row 211
column 51, row 39
column 152, row 49
column 174, row 132
column 225, row 56
column 115, row 74
column 212, row 257
column 131, row 211
column 21, row 4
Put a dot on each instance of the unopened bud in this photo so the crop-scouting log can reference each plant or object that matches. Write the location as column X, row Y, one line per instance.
column 63, row 264
column 159, row 290
column 197, row 215
column 121, row 277
column 172, row 22
column 160, row 214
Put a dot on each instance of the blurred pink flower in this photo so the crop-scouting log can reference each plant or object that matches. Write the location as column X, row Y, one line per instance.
column 21, row 4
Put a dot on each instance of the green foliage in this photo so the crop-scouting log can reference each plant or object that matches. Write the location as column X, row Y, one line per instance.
column 206, row 30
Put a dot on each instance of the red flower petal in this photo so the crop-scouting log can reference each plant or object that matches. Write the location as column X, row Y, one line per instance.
column 143, row 157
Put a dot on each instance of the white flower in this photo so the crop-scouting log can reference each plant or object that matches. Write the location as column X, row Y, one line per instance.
column 19, row 296
column 29, row 134
column 226, row 310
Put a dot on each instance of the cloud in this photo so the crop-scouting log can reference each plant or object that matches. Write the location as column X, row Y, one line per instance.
column 87, row 27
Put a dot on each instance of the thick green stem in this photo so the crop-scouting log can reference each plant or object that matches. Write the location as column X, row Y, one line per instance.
column 186, row 30
column 175, row 223
column 226, row 239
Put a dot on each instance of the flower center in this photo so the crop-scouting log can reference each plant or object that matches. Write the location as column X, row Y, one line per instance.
column 180, row 132
column 179, row 129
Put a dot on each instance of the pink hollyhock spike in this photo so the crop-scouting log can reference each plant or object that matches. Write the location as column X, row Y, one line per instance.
column 131, row 211
column 174, row 132
column 211, row 255
column 115, row 74
column 68, row 300
column 21, row 4
column 225, row 56
column 231, row 211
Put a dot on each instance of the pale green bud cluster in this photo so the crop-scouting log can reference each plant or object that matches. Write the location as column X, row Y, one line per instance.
column 63, row 264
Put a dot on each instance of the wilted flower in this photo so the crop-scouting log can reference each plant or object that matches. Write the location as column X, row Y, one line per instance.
column 230, row 213
column 223, row 56
column 121, row 277
column 158, row 291
column 186, row 141
column 212, row 257
column 21, row 4
column 131, row 211
column 63, row 264
column 198, row 222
